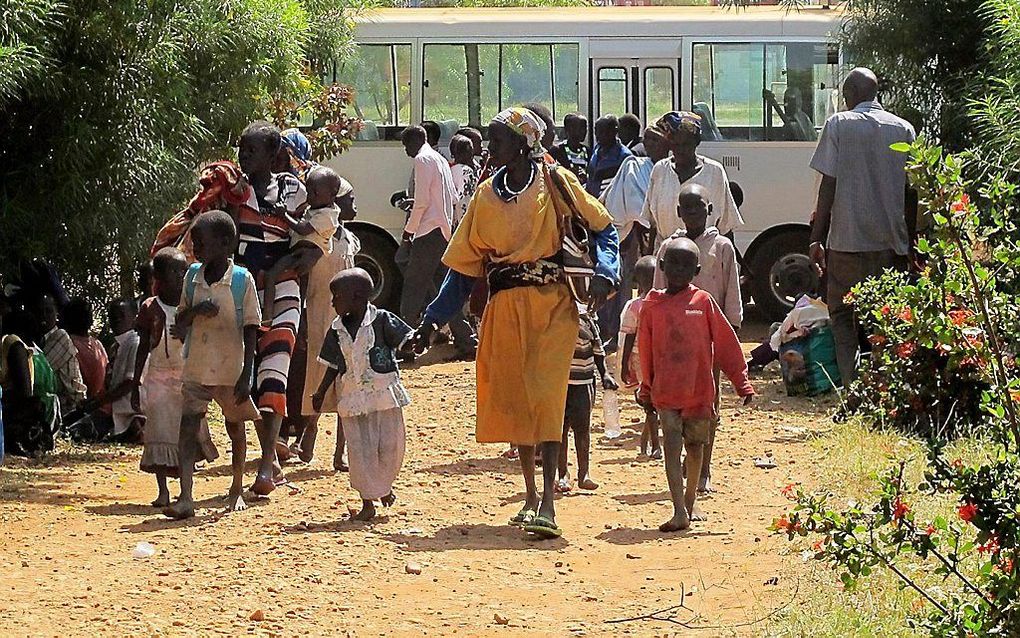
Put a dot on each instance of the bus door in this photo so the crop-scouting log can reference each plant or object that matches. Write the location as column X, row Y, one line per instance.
column 639, row 77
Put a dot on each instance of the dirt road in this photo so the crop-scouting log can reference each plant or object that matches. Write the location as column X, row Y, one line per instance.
column 294, row 566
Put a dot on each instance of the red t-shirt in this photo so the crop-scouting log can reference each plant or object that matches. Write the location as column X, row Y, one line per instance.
column 682, row 338
column 92, row 361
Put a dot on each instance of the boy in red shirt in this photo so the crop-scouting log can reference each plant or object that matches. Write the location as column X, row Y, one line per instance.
column 683, row 336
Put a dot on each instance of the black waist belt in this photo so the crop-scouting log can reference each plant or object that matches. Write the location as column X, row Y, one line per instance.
column 532, row 273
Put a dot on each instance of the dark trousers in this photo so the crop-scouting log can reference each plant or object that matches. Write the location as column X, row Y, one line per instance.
column 422, row 264
column 844, row 271
column 609, row 314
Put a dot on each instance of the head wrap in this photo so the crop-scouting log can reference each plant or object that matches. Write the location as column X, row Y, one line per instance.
column 526, row 124
column 679, row 121
column 297, row 144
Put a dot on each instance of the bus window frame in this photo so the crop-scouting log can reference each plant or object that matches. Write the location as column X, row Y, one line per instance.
column 419, row 58
column 390, row 132
column 687, row 72
column 627, row 90
column 644, row 89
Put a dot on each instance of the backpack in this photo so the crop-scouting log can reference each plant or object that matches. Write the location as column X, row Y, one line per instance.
column 577, row 246
column 238, row 287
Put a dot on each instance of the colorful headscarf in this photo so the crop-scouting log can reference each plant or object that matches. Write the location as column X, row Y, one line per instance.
column 675, row 121
column 298, row 144
column 527, row 125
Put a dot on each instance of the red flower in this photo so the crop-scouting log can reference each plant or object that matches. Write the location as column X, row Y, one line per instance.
column 885, row 310
column 819, row 545
column 1006, row 565
column 961, row 205
column 967, row 511
column 900, row 509
column 906, row 350
column 782, row 524
column 930, row 530
column 991, row 546
column 877, row 340
column 960, row 318
column 906, row 315
column 957, row 464
column 788, row 491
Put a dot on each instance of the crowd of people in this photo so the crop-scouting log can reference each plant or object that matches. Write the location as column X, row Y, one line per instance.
column 528, row 250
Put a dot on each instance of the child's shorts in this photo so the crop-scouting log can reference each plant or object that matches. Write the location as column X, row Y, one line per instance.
column 580, row 399
column 694, row 431
column 198, row 396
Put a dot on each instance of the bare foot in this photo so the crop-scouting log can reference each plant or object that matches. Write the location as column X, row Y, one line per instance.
column 698, row 515
column 162, row 500
column 263, row 486
column 367, row 512
column 587, row 484
column 675, row 524
column 235, row 503
column 283, row 453
column 705, row 486
column 341, row 466
column 180, row 510
column 389, row 499
column 563, row 485
column 656, row 454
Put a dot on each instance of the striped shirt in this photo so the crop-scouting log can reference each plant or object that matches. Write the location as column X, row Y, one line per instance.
column 588, row 346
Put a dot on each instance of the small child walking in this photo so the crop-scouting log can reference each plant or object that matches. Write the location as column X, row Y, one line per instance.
column 683, row 338
column 719, row 276
column 589, row 356
column 630, row 361
column 159, row 365
column 360, row 349
column 219, row 318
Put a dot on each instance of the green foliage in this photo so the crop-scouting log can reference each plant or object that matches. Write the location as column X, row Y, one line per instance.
column 930, row 55
column 108, row 109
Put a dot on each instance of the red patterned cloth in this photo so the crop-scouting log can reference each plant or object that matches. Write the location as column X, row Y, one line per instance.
column 221, row 186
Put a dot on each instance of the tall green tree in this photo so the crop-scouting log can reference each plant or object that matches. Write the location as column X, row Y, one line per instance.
column 108, row 107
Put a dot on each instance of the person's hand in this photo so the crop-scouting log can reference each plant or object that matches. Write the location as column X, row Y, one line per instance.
column 628, row 378
column 207, row 308
column 609, row 383
column 419, row 341
column 179, row 332
column 816, row 251
column 598, row 292
column 747, row 400
column 317, row 400
column 136, row 398
column 242, row 389
column 644, row 400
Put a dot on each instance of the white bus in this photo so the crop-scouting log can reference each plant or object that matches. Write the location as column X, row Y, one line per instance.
column 764, row 79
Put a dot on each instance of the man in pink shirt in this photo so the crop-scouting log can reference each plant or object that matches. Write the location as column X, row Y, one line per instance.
column 682, row 339
column 427, row 234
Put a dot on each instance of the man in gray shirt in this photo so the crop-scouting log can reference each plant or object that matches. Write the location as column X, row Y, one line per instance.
column 860, row 226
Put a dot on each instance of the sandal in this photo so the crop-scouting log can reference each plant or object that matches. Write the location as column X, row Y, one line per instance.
column 543, row 527
column 522, row 518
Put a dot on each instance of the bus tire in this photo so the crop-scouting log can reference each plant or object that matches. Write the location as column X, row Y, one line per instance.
column 782, row 272
column 377, row 258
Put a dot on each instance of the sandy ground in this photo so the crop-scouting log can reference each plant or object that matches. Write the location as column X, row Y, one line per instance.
column 294, row 565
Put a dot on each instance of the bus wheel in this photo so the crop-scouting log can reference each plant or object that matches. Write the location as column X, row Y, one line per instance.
column 782, row 272
column 376, row 257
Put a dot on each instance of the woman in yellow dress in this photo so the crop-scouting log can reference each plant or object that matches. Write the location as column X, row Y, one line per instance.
column 511, row 235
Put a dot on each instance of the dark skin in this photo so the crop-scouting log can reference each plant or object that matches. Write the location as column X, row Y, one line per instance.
column 214, row 250
column 412, row 139
column 861, row 85
column 122, row 319
column 679, row 263
column 18, row 388
column 576, row 130
column 170, row 280
column 351, row 292
column 644, row 273
column 256, row 153
column 606, row 134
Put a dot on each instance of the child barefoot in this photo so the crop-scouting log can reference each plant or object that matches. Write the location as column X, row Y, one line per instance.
column 311, row 237
column 360, row 349
column 588, row 357
column 719, row 276
column 159, row 364
column 630, row 362
column 683, row 337
column 219, row 316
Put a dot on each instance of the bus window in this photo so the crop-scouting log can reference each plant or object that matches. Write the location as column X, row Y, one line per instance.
column 612, row 90
column 381, row 77
column 765, row 92
column 470, row 83
column 658, row 92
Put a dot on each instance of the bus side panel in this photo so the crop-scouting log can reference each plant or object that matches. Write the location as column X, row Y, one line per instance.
column 377, row 170
column 777, row 183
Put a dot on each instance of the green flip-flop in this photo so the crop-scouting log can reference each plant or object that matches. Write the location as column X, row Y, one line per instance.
column 522, row 518
column 542, row 526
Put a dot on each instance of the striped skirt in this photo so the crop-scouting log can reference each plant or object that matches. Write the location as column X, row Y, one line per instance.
column 276, row 346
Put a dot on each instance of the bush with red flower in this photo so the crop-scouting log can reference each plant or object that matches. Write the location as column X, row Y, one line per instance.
column 943, row 364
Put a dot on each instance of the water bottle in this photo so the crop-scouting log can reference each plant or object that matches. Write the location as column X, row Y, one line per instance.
column 611, row 413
